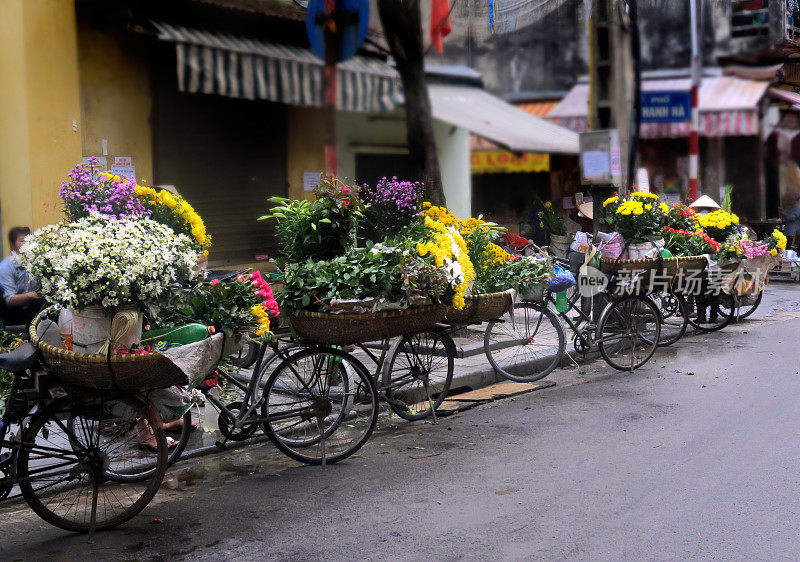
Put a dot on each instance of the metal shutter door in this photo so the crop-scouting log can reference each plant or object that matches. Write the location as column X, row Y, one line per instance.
column 226, row 157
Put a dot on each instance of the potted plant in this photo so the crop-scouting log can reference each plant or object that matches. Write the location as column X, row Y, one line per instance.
column 639, row 218
column 553, row 224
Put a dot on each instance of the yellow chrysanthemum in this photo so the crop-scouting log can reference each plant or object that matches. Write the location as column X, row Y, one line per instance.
column 608, row 201
column 644, row 195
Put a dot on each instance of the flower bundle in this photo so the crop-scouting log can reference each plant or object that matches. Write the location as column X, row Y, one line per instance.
column 241, row 305
column 318, row 230
column 446, row 245
column 88, row 191
column 175, row 212
column 689, row 243
column 776, row 242
column 108, row 263
column 391, row 205
column 637, row 216
column 551, row 220
column 750, row 249
column 718, row 224
column 681, row 217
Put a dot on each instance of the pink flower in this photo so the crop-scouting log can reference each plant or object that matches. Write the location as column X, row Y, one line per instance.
column 255, row 275
column 345, row 190
column 215, row 282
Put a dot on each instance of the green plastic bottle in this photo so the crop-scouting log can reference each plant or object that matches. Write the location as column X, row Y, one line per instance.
column 177, row 335
column 561, row 301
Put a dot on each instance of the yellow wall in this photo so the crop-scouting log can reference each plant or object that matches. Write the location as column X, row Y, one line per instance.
column 40, row 136
column 305, row 147
column 116, row 98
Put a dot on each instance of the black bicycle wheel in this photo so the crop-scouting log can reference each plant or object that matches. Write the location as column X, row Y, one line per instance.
column 628, row 332
column 417, row 373
column 69, row 450
column 674, row 317
column 142, row 471
column 745, row 306
column 321, row 405
column 527, row 348
column 707, row 313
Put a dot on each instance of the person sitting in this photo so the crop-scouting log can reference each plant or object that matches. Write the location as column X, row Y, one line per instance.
column 20, row 299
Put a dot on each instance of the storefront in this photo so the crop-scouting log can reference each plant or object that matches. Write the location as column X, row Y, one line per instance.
column 735, row 119
column 506, row 184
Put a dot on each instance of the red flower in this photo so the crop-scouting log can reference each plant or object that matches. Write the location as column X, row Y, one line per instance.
column 214, row 283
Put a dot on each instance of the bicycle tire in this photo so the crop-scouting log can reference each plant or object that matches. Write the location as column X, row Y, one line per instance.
column 420, row 367
column 361, row 396
column 747, row 308
column 501, row 336
column 675, row 322
column 618, row 315
column 59, row 409
column 721, row 302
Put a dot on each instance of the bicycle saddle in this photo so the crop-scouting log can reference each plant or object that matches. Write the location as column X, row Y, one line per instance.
column 19, row 359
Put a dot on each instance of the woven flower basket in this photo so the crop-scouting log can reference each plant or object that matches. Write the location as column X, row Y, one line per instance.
column 345, row 329
column 481, row 308
column 101, row 372
column 671, row 266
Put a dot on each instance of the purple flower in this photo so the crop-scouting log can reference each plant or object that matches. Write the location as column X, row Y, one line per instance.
column 86, row 191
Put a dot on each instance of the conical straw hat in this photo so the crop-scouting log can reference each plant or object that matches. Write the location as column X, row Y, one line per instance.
column 705, row 202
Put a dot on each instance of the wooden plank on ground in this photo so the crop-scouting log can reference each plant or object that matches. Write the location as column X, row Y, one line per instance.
column 467, row 400
column 501, row 390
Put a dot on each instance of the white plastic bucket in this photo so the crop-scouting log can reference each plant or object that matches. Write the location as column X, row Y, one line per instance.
column 91, row 327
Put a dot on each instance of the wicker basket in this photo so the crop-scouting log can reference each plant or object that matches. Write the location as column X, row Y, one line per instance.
column 671, row 266
column 113, row 372
column 481, row 308
column 345, row 329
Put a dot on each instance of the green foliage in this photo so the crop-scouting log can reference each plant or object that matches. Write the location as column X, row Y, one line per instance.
column 551, row 219
column 8, row 342
column 524, row 275
column 226, row 306
column 319, row 230
column 381, row 272
column 727, row 199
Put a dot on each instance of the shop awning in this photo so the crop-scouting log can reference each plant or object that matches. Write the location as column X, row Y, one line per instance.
column 236, row 67
column 728, row 106
column 785, row 95
column 490, row 117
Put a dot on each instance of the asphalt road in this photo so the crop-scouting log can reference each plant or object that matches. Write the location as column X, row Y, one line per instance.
column 694, row 456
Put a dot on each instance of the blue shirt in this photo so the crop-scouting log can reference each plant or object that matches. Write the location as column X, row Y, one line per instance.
column 14, row 279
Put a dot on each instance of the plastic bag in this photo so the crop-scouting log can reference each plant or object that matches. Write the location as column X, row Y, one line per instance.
column 561, row 280
column 611, row 245
column 580, row 243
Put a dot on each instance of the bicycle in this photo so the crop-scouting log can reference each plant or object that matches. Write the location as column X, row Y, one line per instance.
column 532, row 344
column 412, row 376
column 68, row 449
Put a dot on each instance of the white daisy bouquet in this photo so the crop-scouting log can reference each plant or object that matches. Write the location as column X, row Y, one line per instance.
column 103, row 262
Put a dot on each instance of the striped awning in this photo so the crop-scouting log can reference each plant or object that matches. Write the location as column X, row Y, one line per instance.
column 539, row 108
column 236, row 67
column 728, row 106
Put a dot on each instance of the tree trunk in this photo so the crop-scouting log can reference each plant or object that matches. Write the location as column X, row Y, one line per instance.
column 402, row 24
